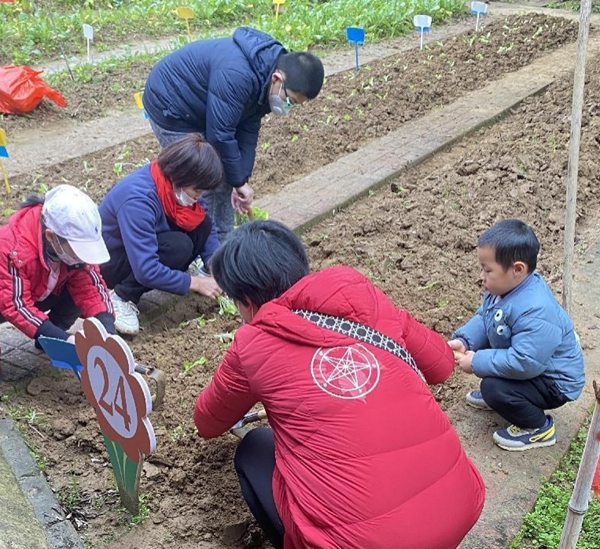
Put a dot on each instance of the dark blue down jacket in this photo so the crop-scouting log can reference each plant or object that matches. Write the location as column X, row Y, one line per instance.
column 218, row 87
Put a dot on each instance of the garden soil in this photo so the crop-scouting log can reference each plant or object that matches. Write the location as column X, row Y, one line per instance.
column 353, row 108
column 414, row 238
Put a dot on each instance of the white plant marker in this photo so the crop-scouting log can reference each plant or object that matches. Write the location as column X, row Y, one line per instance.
column 88, row 34
column 422, row 24
column 478, row 8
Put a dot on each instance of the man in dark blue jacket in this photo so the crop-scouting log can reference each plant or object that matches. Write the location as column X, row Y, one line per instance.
column 222, row 88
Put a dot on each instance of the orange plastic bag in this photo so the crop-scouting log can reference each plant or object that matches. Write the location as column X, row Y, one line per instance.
column 22, row 90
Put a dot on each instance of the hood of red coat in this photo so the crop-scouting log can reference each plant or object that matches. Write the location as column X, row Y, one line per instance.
column 337, row 291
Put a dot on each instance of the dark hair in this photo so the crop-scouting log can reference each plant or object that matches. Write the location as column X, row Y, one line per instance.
column 191, row 162
column 30, row 201
column 304, row 72
column 513, row 240
column 260, row 260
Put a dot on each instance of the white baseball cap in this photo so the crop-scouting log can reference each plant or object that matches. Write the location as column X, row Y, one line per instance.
column 72, row 215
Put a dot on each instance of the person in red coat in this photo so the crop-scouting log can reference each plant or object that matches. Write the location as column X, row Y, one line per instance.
column 49, row 255
column 359, row 454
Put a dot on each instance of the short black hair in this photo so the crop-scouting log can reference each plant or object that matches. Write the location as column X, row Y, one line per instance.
column 512, row 240
column 304, row 72
column 31, row 200
column 191, row 162
column 259, row 261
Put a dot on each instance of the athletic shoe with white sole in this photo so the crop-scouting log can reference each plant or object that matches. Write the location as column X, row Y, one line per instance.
column 515, row 438
column 475, row 399
column 197, row 268
column 126, row 315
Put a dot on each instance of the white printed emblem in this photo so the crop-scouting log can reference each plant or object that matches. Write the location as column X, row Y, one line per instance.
column 345, row 372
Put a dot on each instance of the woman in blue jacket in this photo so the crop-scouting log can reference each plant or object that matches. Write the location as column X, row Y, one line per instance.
column 155, row 225
column 223, row 88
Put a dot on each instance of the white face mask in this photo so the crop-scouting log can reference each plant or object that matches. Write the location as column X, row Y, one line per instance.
column 279, row 107
column 184, row 199
column 64, row 256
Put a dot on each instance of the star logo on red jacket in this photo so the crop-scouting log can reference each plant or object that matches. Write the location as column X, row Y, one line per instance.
column 345, row 372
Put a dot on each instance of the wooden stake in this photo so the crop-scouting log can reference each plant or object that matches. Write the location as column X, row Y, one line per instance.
column 573, row 166
column 578, row 504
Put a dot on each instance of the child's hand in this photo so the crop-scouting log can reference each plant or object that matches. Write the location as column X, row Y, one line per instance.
column 458, row 346
column 465, row 362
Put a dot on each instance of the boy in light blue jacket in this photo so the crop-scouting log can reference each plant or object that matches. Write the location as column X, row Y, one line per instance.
column 520, row 342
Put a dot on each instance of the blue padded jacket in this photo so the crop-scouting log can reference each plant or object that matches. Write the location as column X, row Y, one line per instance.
column 218, row 87
column 524, row 334
column 132, row 216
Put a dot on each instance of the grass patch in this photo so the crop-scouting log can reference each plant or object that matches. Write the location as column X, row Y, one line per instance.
column 27, row 34
column 574, row 5
column 542, row 527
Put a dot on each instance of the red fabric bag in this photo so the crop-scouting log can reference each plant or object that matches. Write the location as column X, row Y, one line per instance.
column 22, row 90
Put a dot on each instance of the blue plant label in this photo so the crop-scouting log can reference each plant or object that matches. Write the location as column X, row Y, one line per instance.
column 62, row 354
column 479, row 8
column 422, row 23
column 3, row 152
column 355, row 34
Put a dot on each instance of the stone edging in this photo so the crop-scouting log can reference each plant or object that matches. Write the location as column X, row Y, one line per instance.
column 60, row 532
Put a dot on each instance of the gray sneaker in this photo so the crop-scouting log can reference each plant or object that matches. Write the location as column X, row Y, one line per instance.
column 197, row 268
column 475, row 399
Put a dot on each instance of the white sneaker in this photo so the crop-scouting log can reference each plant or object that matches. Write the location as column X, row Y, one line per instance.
column 126, row 315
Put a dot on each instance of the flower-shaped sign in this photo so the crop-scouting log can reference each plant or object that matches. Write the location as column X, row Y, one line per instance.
column 119, row 395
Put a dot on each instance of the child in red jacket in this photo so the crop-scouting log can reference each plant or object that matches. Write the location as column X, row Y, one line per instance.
column 359, row 454
column 49, row 252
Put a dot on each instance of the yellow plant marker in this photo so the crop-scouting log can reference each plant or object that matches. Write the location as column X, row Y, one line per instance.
column 187, row 14
column 138, row 100
column 4, row 153
column 278, row 4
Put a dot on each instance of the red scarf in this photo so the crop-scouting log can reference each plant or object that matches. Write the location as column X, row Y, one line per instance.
column 185, row 217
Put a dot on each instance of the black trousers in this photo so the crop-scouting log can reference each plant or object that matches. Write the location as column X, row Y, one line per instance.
column 61, row 310
column 522, row 402
column 176, row 249
column 254, row 464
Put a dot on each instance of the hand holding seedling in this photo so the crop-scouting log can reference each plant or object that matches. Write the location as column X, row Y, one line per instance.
column 465, row 361
column 241, row 198
column 205, row 285
column 462, row 357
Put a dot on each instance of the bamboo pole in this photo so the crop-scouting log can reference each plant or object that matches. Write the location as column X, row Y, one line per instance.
column 573, row 166
column 580, row 497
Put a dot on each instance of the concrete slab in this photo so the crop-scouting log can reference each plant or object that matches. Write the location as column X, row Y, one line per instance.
column 30, row 518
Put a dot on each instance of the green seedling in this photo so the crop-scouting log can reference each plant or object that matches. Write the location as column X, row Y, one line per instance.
column 189, row 365
column 226, row 337
column 70, row 496
column 257, row 213
column 177, row 433
column 226, row 306
column 428, row 286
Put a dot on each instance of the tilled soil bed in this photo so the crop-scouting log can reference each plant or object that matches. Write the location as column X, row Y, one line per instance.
column 353, row 108
column 414, row 238
column 499, row 47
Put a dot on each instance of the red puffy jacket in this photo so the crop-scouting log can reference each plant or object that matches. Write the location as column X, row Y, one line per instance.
column 365, row 457
column 24, row 275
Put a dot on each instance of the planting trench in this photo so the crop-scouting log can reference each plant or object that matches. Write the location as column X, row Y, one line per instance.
column 352, row 109
column 414, row 238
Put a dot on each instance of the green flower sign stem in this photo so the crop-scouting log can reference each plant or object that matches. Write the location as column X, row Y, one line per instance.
column 121, row 398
